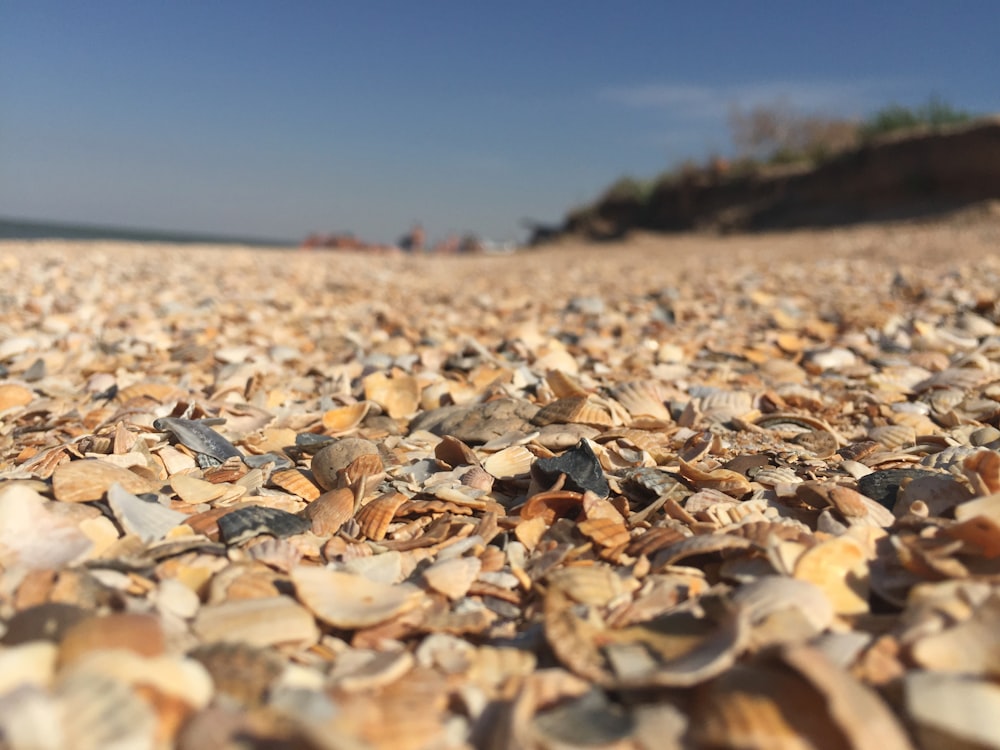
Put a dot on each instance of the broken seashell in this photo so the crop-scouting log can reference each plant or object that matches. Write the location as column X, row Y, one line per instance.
column 350, row 601
column 510, row 463
column 253, row 520
column 257, row 622
column 330, row 511
column 90, row 479
column 453, row 577
column 148, row 520
column 399, row 395
column 345, row 418
column 374, row 517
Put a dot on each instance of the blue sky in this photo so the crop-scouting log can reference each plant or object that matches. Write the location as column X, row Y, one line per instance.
column 277, row 118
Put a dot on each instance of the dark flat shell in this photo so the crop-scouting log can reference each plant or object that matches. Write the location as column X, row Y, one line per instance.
column 44, row 622
column 254, row 520
column 582, row 469
column 199, row 437
column 882, row 486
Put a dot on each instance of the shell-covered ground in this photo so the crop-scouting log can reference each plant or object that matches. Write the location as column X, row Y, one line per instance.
column 681, row 492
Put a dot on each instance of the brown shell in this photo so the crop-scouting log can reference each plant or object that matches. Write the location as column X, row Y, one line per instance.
column 454, row 452
column 330, row 511
column 345, row 418
column 573, row 410
column 296, row 482
column 375, row 517
column 552, row 505
column 88, row 480
column 399, row 396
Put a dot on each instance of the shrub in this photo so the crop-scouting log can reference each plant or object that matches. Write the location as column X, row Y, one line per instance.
column 895, row 117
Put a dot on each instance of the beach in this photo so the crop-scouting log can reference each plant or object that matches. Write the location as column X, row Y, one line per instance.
column 669, row 491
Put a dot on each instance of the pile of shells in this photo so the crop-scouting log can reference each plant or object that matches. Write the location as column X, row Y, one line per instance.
column 733, row 493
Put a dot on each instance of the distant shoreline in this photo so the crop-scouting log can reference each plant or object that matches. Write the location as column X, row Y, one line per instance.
column 33, row 229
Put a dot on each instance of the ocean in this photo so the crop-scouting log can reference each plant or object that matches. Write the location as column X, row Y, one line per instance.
column 23, row 229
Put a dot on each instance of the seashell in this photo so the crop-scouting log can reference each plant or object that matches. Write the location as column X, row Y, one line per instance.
column 13, row 395
column 349, row 601
column 253, row 520
column 32, row 536
column 231, row 470
column 98, row 711
column 478, row 479
column 589, row 720
column 28, row 664
column 149, row 521
column 564, row 385
column 840, row 568
column 883, row 486
column 330, row 511
column 653, row 540
column 642, row 399
column 385, row 567
column 332, row 464
column 959, row 378
column 174, row 461
column 549, row 506
column 730, row 482
column 195, row 491
column 198, row 436
column 580, row 466
column 784, row 610
column 597, row 585
column 982, row 469
column 345, row 418
column 952, row 711
column 399, row 396
column 510, row 463
column 369, row 670
column 893, row 436
column 453, row 577
column 296, row 482
column 256, row 622
column 700, row 545
column 141, row 634
column 724, row 406
column 374, row 517
column 970, row 647
column 161, row 393
column 240, row 671
column 48, row 621
column 276, row 553
column 90, row 479
column 775, row 475
column 454, row 452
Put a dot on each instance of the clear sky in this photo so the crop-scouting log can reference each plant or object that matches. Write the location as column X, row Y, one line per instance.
column 277, row 118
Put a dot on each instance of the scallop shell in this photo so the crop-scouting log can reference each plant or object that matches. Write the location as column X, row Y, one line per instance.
column 256, row 622
column 893, row 436
column 642, row 399
column 349, row 601
column 89, row 480
column 374, row 518
column 399, row 396
column 574, row 410
column 296, row 482
column 510, row 463
column 840, row 568
column 564, row 385
column 723, row 406
column 700, row 545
